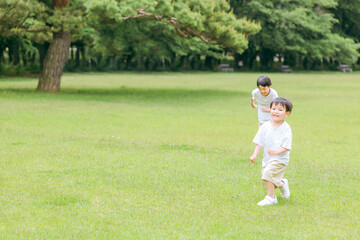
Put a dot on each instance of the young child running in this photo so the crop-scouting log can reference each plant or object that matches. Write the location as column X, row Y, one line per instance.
column 275, row 137
column 263, row 94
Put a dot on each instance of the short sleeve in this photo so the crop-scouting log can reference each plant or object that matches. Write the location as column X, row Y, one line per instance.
column 275, row 94
column 287, row 139
column 253, row 94
column 259, row 139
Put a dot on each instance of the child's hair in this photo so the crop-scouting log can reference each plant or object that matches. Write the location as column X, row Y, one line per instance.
column 283, row 102
column 263, row 81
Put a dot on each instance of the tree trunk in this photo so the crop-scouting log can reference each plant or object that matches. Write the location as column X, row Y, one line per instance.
column 16, row 53
column 77, row 54
column 266, row 58
column 209, row 63
column 56, row 56
column 54, row 62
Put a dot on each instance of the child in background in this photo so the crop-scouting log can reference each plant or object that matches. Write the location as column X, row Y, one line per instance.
column 263, row 94
column 275, row 137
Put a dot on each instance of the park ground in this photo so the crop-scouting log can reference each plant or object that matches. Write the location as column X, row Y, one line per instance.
column 166, row 156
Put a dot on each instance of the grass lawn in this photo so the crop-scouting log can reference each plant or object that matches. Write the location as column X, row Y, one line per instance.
column 166, row 156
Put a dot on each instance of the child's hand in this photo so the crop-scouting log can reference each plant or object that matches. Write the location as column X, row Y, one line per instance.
column 273, row 152
column 252, row 158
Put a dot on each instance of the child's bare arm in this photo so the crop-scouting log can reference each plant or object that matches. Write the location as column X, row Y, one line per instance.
column 256, row 152
column 273, row 152
column 252, row 103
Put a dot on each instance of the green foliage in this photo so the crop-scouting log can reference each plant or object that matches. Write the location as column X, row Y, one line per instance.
column 36, row 20
column 165, row 31
column 12, row 15
column 208, row 20
column 150, row 40
column 22, row 18
column 298, row 27
column 158, row 31
column 348, row 14
column 19, row 70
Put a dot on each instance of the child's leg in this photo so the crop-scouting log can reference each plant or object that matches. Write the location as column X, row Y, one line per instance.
column 271, row 188
column 272, row 175
column 270, row 199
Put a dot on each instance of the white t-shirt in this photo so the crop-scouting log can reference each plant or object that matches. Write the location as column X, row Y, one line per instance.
column 270, row 137
column 264, row 102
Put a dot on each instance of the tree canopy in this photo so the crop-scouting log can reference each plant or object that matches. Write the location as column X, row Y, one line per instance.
column 209, row 20
column 299, row 27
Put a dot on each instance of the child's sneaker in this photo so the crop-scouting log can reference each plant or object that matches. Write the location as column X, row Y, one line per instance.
column 267, row 201
column 285, row 192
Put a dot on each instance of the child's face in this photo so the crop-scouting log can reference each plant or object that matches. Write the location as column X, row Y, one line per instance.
column 278, row 112
column 264, row 90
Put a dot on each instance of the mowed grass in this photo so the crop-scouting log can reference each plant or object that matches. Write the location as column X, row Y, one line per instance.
column 166, row 156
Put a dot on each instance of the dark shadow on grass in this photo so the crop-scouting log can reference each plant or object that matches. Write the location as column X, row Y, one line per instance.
column 124, row 94
column 26, row 78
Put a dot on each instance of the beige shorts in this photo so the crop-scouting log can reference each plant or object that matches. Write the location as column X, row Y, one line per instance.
column 273, row 172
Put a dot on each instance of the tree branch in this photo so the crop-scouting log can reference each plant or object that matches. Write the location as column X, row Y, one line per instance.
column 183, row 31
column 9, row 10
column 28, row 15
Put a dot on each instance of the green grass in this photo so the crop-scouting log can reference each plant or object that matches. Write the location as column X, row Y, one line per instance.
column 166, row 156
